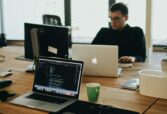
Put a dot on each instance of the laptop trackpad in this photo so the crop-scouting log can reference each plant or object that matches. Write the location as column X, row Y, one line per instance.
column 34, row 103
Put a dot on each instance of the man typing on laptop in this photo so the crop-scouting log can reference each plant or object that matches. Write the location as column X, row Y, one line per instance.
column 131, row 40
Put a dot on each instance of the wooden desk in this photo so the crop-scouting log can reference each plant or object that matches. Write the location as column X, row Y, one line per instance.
column 127, row 73
column 131, row 100
column 22, row 83
column 160, row 107
column 121, row 98
column 111, row 93
column 10, row 53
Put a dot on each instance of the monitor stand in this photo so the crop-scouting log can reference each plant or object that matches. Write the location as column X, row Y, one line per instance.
column 23, row 58
column 30, row 68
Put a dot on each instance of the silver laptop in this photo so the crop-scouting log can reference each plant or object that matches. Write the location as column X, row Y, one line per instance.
column 99, row 60
column 56, row 85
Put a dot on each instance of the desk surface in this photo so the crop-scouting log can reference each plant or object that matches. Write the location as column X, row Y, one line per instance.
column 160, row 107
column 111, row 93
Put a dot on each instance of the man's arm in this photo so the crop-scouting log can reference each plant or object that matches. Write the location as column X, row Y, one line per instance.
column 141, row 47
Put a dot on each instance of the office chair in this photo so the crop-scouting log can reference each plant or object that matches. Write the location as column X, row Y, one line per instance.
column 52, row 20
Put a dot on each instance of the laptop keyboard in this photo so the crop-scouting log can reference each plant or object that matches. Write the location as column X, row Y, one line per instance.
column 46, row 98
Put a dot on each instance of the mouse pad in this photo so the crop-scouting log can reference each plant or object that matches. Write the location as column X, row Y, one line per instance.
column 82, row 107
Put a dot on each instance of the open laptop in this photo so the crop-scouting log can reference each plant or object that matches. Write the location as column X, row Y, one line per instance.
column 99, row 60
column 56, row 85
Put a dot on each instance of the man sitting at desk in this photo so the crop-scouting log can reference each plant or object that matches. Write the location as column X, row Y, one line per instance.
column 131, row 40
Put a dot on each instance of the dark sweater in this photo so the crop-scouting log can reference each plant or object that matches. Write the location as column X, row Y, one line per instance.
column 130, row 40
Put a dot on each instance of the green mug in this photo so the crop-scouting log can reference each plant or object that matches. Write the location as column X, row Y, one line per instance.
column 93, row 91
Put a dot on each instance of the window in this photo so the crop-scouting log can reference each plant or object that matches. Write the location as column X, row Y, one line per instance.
column 88, row 16
column 159, row 23
column 137, row 12
column 17, row 12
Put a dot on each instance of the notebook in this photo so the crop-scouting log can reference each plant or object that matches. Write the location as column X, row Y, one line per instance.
column 132, row 84
column 99, row 60
column 5, row 72
column 56, row 85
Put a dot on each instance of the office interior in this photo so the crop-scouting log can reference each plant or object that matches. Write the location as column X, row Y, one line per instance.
column 152, row 19
column 85, row 18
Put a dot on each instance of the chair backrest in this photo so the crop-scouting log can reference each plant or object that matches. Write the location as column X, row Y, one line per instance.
column 52, row 20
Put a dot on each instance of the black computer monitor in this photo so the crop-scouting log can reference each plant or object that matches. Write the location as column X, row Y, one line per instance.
column 53, row 40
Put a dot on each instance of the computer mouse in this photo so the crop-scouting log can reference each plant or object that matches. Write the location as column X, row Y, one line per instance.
column 125, row 65
column 30, row 68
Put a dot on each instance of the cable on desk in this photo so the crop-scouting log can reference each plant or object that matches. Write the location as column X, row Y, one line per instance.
column 2, row 58
column 150, row 106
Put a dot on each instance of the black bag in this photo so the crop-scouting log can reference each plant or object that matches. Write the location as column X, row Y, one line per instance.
column 2, row 40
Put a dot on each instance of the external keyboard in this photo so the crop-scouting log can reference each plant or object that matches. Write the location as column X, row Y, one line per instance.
column 82, row 107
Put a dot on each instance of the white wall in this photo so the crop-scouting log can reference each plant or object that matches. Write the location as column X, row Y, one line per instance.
column 88, row 16
column 159, row 21
column 1, row 19
column 17, row 12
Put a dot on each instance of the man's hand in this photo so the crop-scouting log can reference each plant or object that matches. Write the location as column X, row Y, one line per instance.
column 127, row 59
